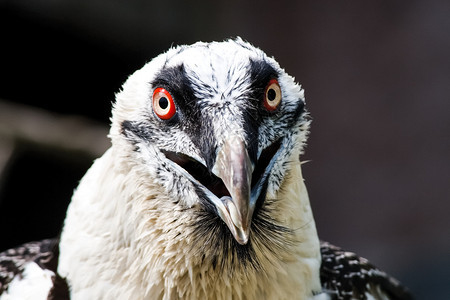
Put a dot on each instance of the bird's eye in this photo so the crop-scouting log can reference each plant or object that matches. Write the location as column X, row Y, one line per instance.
column 272, row 95
column 163, row 104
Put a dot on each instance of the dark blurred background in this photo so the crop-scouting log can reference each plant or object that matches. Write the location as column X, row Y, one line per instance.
column 377, row 81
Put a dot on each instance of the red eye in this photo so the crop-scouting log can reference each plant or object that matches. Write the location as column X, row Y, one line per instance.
column 272, row 95
column 163, row 104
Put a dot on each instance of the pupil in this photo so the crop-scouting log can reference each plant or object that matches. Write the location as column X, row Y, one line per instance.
column 163, row 103
column 271, row 94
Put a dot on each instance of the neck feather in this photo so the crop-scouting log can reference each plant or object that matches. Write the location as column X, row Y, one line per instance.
column 124, row 238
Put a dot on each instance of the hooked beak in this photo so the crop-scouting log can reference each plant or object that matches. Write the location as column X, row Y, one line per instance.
column 234, row 167
column 241, row 183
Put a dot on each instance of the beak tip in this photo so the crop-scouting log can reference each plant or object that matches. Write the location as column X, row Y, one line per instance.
column 238, row 224
column 242, row 237
column 243, row 242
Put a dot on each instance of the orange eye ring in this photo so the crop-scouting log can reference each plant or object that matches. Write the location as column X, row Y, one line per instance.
column 272, row 95
column 163, row 104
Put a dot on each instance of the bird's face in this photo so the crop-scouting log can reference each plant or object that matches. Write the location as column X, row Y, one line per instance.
column 217, row 125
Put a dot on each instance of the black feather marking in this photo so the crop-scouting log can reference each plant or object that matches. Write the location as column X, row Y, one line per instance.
column 44, row 253
column 213, row 76
column 175, row 80
column 299, row 111
column 346, row 276
column 178, row 84
column 260, row 72
column 135, row 132
column 226, row 253
column 183, row 88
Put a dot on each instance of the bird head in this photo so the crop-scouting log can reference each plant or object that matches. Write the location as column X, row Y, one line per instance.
column 217, row 125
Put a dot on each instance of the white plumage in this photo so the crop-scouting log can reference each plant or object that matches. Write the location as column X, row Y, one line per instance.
column 35, row 283
column 201, row 195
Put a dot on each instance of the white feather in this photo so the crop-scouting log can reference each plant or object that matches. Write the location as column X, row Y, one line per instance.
column 33, row 284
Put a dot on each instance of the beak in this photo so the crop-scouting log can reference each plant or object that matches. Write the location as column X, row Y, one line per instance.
column 234, row 167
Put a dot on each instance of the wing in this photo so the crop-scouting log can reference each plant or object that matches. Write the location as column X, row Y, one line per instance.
column 30, row 269
column 344, row 275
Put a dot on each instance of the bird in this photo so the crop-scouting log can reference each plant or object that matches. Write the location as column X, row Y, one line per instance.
column 200, row 196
